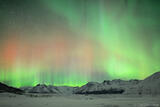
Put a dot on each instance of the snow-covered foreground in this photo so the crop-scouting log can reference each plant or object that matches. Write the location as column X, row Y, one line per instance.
column 51, row 100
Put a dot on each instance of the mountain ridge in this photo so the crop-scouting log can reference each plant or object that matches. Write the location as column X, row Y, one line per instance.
column 150, row 85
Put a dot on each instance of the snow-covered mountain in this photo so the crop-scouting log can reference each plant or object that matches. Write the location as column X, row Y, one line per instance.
column 42, row 88
column 150, row 85
column 107, row 87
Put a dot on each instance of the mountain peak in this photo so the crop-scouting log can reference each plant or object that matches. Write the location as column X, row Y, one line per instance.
column 44, row 85
column 154, row 76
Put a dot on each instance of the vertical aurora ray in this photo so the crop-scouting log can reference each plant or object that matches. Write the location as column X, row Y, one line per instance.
column 71, row 42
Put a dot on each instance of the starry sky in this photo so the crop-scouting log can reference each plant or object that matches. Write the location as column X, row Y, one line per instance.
column 72, row 42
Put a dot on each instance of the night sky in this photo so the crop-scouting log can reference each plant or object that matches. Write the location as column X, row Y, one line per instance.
column 72, row 42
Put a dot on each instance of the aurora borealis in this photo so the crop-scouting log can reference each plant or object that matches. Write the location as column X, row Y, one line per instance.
column 72, row 42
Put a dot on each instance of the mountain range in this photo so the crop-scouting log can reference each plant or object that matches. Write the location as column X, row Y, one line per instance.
column 150, row 85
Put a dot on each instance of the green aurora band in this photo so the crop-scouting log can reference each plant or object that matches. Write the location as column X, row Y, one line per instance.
column 72, row 42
